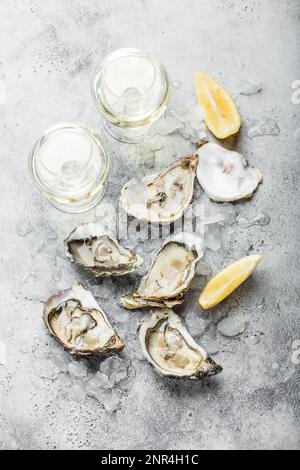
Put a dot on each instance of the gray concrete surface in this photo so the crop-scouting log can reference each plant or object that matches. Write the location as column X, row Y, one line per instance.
column 48, row 53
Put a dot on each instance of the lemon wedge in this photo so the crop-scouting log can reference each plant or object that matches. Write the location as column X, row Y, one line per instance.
column 227, row 280
column 220, row 113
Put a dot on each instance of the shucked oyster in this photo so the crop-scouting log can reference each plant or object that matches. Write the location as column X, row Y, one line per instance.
column 171, row 350
column 163, row 197
column 75, row 320
column 169, row 275
column 225, row 175
column 91, row 247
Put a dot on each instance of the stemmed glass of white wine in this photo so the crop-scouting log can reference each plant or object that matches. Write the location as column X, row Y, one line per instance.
column 131, row 90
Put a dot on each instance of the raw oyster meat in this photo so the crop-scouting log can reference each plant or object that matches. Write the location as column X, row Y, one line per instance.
column 75, row 320
column 169, row 276
column 163, row 197
column 225, row 175
column 92, row 248
column 171, row 350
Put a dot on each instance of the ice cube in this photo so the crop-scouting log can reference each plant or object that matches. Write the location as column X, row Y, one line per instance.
column 195, row 324
column 232, row 326
column 168, row 125
column 212, row 237
column 203, row 269
column 111, row 400
column 262, row 127
column 46, row 369
column 251, row 88
column 77, row 370
column 78, row 392
column 24, row 228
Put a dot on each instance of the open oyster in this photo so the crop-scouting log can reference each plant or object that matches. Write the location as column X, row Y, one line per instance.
column 171, row 350
column 91, row 247
column 75, row 320
column 163, row 197
column 225, row 175
column 169, row 276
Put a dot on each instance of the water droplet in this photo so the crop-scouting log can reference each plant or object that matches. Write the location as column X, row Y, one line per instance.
column 177, row 85
column 9, row 332
column 297, row 135
column 254, row 340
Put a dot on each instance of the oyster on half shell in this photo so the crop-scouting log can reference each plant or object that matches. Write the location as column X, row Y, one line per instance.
column 163, row 197
column 169, row 276
column 171, row 350
column 76, row 320
column 92, row 248
column 225, row 175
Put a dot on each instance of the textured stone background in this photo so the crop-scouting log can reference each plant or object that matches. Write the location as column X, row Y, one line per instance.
column 48, row 53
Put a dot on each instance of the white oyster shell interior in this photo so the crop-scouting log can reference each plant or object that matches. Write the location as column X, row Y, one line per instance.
column 225, row 175
column 163, row 197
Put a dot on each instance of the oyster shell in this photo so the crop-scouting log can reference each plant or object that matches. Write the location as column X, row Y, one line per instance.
column 163, row 197
column 92, row 248
column 75, row 320
column 225, row 175
column 170, row 349
column 169, row 276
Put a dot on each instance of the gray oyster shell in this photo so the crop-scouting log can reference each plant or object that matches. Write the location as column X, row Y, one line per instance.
column 91, row 247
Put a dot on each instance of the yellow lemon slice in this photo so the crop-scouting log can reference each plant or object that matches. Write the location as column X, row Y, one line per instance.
column 227, row 280
column 221, row 115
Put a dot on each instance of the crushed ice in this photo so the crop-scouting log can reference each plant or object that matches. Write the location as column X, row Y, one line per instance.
column 195, row 324
column 262, row 127
column 251, row 87
column 24, row 228
column 262, row 219
column 232, row 326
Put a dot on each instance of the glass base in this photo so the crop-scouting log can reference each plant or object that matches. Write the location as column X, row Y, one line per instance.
column 79, row 207
column 125, row 134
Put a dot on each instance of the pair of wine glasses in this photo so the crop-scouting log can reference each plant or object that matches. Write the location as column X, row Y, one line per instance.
column 69, row 162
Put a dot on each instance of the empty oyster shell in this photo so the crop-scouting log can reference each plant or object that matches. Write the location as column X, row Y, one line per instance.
column 225, row 175
column 163, row 197
column 170, row 349
column 91, row 247
column 75, row 320
column 169, row 276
